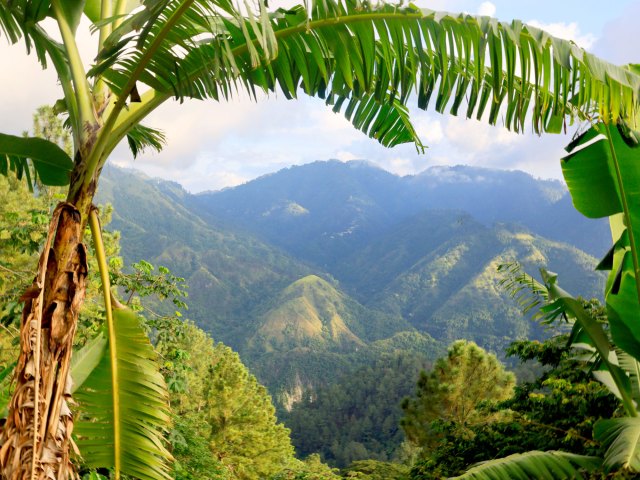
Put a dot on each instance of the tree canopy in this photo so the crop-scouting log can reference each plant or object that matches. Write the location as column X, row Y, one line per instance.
column 453, row 391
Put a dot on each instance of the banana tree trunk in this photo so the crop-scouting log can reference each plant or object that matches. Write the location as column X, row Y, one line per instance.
column 36, row 439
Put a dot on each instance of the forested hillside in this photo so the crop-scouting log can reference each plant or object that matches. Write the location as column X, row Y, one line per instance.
column 398, row 252
column 315, row 273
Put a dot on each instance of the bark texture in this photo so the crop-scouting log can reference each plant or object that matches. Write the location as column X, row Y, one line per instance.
column 35, row 442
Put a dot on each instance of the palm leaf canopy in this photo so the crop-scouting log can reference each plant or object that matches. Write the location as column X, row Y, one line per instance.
column 364, row 60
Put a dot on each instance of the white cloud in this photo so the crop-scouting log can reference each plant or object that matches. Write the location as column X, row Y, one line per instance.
column 401, row 166
column 471, row 136
column 429, row 129
column 568, row 31
column 345, row 156
column 487, row 8
column 621, row 37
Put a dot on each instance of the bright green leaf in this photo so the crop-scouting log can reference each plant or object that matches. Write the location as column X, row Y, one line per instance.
column 50, row 161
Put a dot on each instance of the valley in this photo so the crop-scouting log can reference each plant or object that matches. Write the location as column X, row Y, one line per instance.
column 316, row 270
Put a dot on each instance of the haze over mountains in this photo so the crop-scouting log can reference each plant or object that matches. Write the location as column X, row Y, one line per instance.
column 317, row 267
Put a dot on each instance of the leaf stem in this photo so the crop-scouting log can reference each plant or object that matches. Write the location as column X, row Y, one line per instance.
column 105, row 139
column 96, row 233
column 106, row 29
column 84, row 98
column 101, row 89
column 120, row 10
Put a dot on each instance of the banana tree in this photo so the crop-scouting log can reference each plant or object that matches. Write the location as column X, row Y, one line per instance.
column 365, row 61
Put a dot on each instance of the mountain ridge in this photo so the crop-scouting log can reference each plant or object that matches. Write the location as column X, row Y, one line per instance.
column 317, row 268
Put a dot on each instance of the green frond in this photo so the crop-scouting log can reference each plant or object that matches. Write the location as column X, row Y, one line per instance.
column 528, row 293
column 20, row 19
column 551, row 465
column 621, row 436
column 141, row 138
column 474, row 66
column 151, row 45
column 140, row 401
column 387, row 121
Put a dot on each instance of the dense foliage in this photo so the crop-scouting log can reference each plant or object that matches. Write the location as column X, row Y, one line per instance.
column 357, row 417
column 555, row 411
column 453, row 392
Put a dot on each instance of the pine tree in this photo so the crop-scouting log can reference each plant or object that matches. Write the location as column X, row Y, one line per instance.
column 453, row 392
column 231, row 412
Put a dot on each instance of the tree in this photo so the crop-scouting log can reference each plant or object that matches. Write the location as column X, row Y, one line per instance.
column 366, row 59
column 311, row 468
column 375, row 470
column 556, row 410
column 453, row 393
column 224, row 417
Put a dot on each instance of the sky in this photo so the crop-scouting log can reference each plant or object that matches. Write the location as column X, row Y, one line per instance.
column 216, row 145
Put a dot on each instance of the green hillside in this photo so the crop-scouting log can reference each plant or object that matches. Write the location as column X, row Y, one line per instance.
column 312, row 313
column 453, row 291
column 308, row 313
column 317, row 270
column 229, row 274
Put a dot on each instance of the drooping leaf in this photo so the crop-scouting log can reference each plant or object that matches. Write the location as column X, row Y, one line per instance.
column 123, row 406
column 551, row 465
column 51, row 163
column 141, row 138
column 621, row 436
column 597, row 337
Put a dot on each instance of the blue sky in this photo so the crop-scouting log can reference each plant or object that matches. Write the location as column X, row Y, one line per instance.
column 215, row 145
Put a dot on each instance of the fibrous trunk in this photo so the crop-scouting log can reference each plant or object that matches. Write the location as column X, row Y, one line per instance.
column 36, row 438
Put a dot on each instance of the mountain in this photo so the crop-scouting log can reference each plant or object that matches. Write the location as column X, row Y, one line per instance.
column 311, row 313
column 324, row 211
column 314, row 270
column 228, row 274
column 424, row 247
